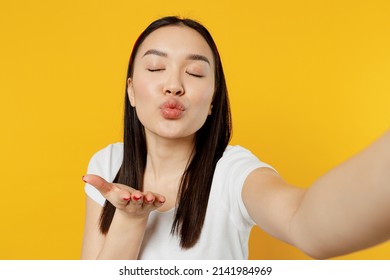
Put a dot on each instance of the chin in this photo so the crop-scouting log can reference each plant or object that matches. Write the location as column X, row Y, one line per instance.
column 172, row 133
column 176, row 136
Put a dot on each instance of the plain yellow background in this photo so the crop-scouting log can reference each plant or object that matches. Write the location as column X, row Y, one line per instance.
column 308, row 81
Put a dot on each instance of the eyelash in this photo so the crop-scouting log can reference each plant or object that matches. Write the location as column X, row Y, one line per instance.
column 194, row 75
column 160, row 69
column 155, row 70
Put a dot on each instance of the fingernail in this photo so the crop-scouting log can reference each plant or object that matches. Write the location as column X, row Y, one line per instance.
column 126, row 198
column 136, row 198
column 83, row 179
column 149, row 201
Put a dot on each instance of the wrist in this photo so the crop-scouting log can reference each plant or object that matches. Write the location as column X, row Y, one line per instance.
column 130, row 221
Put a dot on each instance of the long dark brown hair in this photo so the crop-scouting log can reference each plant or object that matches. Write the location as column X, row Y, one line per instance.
column 211, row 141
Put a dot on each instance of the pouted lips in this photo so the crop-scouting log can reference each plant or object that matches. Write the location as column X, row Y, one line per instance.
column 172, row 109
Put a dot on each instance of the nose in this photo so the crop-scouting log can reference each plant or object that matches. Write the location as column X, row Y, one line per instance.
column 174, row 86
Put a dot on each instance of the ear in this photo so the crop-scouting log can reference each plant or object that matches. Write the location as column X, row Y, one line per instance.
column 130, row 92
column 210, row 109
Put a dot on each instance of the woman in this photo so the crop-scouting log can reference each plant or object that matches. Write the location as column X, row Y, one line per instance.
column 180, row 192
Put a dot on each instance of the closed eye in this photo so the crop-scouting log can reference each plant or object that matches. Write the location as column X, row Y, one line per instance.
column 155, row 69
column 195, row 75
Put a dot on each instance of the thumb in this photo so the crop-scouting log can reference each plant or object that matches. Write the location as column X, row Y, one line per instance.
column 99, row 183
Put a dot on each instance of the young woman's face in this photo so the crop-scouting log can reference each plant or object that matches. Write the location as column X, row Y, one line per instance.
column 172, row 86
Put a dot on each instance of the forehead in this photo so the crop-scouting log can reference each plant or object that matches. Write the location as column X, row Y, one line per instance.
column 175, row 41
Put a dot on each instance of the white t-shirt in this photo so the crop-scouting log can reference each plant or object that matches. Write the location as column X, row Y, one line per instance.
column 227, row 223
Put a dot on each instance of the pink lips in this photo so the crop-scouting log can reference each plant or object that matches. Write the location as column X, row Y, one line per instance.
column 172, row 109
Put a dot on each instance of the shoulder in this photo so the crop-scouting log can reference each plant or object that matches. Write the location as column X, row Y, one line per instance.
column 112, row 151
column 106, row 161
column 239, row 157
column 231, row 173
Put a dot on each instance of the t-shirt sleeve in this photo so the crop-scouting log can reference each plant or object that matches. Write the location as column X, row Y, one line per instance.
column 104, row 163
column 233, row 170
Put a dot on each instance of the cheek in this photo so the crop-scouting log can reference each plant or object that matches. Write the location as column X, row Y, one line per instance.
column 203, row 102
column 207, row 98
column 142, row 90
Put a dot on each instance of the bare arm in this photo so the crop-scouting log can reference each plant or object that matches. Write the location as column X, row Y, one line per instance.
column 346, row 210
column 124, row 238
column 93, row 240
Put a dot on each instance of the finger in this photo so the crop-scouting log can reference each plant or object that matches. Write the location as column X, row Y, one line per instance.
column 144, row 203
column 136, row 198
column 117, row 196
column 99, row 183
column 156, row 201
column 134, row 205
column 159, row 201
column 148, row 203
column 149, row 198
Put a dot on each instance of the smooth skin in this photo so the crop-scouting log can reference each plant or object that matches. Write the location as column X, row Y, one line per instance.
column 345, row 210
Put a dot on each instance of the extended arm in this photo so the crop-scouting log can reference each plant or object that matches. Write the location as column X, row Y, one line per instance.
column 345, row 210
column 124, row 238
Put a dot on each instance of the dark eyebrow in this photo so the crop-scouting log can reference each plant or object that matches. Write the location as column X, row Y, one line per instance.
column 189, row 57
column 198, row 57
column 156, row 52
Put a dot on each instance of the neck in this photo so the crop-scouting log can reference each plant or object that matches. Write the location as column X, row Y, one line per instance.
column 167, row 159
